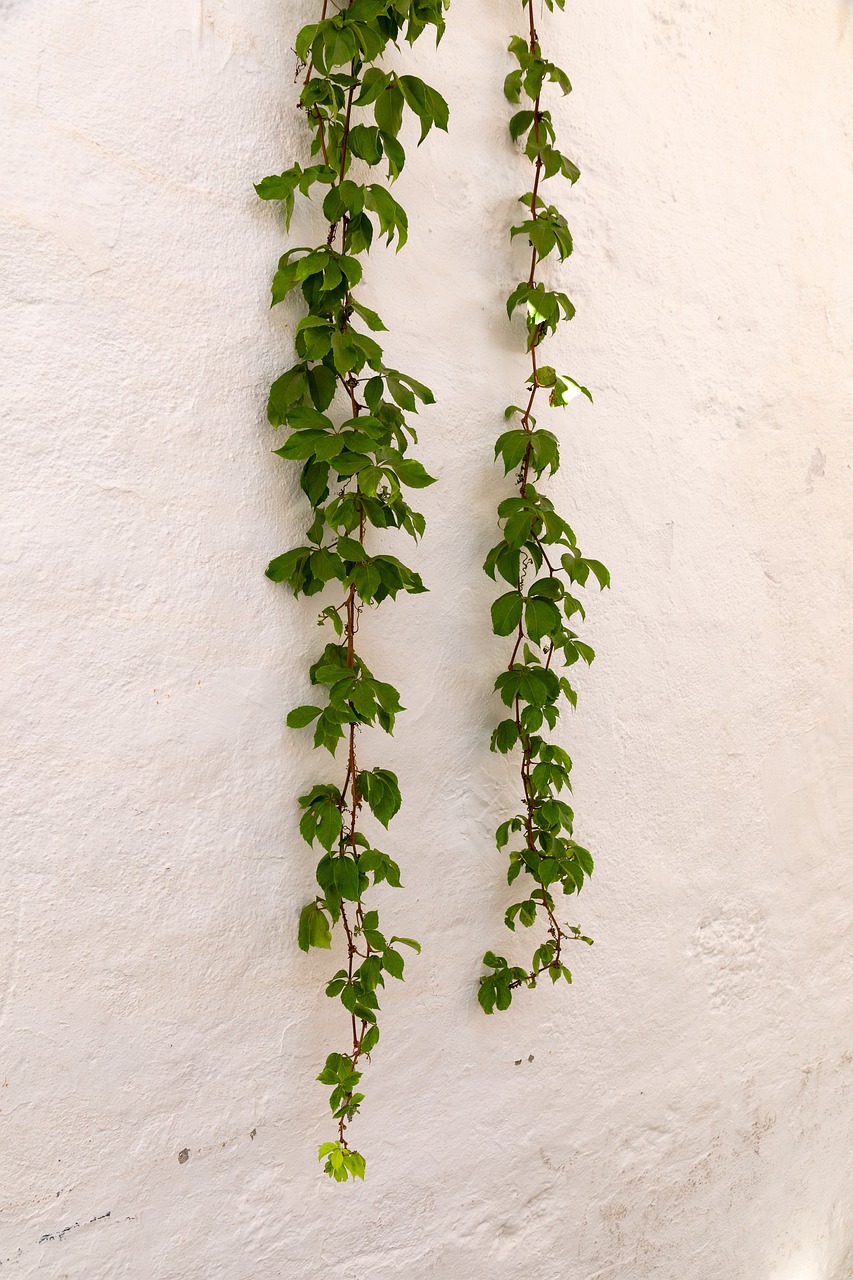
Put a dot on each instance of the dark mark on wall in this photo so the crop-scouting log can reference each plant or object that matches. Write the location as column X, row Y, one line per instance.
column 48, row 1236
column 64, row 1232
column 252, row 1134
column 183, row 1156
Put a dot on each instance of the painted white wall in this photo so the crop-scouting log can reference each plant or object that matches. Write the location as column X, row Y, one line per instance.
column 684, row 1111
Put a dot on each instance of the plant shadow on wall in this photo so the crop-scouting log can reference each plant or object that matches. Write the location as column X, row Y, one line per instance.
column 349, row 417
column 538, row 557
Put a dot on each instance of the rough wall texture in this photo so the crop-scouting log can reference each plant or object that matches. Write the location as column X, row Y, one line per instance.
column 684, row 1112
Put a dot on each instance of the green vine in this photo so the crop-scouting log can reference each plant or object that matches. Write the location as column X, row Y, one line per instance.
column 346, row 409
column 539, row 557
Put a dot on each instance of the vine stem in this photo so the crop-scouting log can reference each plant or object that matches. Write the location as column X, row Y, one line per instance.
column 350, row 627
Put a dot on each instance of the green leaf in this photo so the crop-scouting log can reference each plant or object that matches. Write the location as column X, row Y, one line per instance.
column 518, row 528
column 283, row 568
column 506, row 613
column 503, row 995
column 359, row 233
column 278, row 186
column 486, row 994
column 561, row 395
column 587, row 653
column 287, row 390
column 314, row 928
column 322, row 818
column 527, row 913
column 394, row 154
column 402, row 395
column 351, row 551
column 418, row 389
column 393, row 962
column 355, row 1164
column 505, row 736
column 520, row 123
column 389, row 110
column 346, row 878
column 601, row 573
column 413, row 474
column 372, row 84
column 300, row 716
column 585, row 859
column 512, row 446
column 512, row 86
column 392, row 216
column 342, row 1162
column 428, row 105
column 303, row 444
column 370, row 318
column 541, row 618
column 321, row 385
column 364, row 142
column 380, row 789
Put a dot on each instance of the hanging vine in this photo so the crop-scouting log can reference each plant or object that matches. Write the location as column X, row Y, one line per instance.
column 539, row 557
column 346, row 410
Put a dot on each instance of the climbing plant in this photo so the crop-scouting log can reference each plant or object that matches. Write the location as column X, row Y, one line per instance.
column 539, row 558
column 347, row 412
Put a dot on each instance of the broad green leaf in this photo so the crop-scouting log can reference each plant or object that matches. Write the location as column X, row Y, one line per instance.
column 393, row 962
column 314, row 928
column 328, row 823
column 541, row 618
column 346, row 878
column 486, row 994
column 389, row 110
column 506, row 613
column 413, row 473
column 299, row 717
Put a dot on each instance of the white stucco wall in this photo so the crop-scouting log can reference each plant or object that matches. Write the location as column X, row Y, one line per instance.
column 684, row 1111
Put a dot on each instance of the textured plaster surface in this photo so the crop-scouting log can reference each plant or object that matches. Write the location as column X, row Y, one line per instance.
column 684, row 1111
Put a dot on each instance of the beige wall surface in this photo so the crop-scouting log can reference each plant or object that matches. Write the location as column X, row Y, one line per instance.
column 685, row 1110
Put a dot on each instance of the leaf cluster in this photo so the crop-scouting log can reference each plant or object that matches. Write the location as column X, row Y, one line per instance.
column 538, row 558
column 347, row 417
